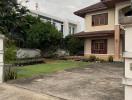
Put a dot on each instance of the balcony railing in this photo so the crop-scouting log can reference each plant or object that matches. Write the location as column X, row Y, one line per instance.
column 125, row 20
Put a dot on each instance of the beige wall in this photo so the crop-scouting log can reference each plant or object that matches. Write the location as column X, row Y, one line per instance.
column 111, row 21
column 110, row 47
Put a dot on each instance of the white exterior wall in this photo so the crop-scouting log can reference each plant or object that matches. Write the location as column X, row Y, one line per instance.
column 1, row 59
column 128, row 92
column 65, row 22
column 127, row 81
column 128, row 50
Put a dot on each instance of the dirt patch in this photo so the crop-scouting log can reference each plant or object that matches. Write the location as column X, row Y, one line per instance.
column 93, row 82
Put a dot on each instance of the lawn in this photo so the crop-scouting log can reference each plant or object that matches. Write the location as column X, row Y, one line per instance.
column 49, row 67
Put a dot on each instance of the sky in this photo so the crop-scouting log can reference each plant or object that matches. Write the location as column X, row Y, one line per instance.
column 61, row 8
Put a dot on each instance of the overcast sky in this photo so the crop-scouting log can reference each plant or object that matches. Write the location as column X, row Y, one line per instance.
column 61, row 8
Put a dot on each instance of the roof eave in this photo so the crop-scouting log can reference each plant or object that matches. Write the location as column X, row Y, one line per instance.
column 80, row 14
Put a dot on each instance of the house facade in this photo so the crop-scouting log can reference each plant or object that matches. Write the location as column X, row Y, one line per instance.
column 104, row 35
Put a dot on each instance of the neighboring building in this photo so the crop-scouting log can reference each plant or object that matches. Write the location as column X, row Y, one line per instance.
column 65, row 26
column 103, row 35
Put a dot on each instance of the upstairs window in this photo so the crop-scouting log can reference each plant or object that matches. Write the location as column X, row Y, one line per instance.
column 100, row 19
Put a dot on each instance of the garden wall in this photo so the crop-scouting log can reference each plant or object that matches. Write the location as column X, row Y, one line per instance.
column 28, row 53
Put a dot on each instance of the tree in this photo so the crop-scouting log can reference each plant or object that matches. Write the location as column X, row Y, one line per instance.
column 43, row 36
column 26, row 30
column 74, row 45
column 10, row 16
column 22, row 30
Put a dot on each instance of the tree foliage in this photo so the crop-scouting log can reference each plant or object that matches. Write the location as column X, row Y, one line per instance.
column 10, row 16
column 43, row 36
column 26, row 30
column 10, row 51
column 74, row 45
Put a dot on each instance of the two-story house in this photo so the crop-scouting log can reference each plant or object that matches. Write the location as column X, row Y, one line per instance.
column 109, row 32
column 103, row 34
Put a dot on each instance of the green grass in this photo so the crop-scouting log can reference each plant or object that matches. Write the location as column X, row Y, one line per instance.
column 59, row 65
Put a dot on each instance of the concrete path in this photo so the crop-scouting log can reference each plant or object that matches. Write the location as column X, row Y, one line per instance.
column 9, row 92
column 93, row 82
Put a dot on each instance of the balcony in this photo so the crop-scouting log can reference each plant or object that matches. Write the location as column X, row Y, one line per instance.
column 125, row 20
column 125, row 15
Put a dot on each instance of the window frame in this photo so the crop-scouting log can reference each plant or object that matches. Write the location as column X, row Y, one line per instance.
column 99, row 46
column 100, row 19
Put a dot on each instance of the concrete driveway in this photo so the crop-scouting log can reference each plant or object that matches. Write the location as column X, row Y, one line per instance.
column 9, row 92
column 93, row 82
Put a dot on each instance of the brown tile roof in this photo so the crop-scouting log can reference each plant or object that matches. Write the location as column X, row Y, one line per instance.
column 102, row 5
column 115, row 1
column 96, row 7
column 111, row 3
column 95, row 34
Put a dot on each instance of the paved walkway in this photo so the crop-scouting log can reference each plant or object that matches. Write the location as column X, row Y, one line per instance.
column 93, row 82
column 9, row 92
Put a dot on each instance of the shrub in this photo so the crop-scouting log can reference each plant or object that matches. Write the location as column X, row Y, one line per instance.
column 74, row 45
column 92, row 58
column 10, row 51
column 110, row 59
column 10, row 74
column 102, row 60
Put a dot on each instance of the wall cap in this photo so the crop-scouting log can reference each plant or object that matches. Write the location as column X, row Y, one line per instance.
column 127, row 81
column 2, row 36
column 127, row 55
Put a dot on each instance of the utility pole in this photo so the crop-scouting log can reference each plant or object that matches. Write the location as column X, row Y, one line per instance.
column 36, row 6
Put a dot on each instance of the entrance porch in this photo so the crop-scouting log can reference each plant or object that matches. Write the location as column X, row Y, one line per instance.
column 103, row 44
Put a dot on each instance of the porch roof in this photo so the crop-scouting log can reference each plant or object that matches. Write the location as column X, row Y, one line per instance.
column 95, row 34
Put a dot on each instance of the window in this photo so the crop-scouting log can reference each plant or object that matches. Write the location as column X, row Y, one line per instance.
column 70, row 30
column 73, row 30
column 100, row 19
column 62, row 28
column 99, row 46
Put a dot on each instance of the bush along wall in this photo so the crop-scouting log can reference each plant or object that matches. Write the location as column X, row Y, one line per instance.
column 74, row 45
column 10, row 51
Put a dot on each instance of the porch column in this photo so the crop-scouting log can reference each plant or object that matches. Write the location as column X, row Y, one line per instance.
column 117, row 43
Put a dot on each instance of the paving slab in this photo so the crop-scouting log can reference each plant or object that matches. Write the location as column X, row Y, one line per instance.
column 93, row 82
